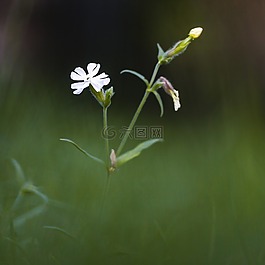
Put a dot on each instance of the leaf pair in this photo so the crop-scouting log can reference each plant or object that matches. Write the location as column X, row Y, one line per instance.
column 122, row 159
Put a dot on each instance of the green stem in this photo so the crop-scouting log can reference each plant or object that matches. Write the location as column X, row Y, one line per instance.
column 105, row 195
column 138, row 111
column 154, row 74
column 105, row 129
column 106, row 138
column 133, row 121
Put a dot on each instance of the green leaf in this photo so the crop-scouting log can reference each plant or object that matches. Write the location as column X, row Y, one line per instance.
column 19, row 172
column 160, row 102
column 136, row 74
column 82, row 150
column 23, row 218
column 55, row 228
column 122, row 159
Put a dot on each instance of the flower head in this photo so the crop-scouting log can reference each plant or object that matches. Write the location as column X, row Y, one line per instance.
column 171, row 91
column 195, row 32
column 90, row 78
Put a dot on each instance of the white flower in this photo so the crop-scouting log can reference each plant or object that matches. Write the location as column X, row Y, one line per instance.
column 97, row 81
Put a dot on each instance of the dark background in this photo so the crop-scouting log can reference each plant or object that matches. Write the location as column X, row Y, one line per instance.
column 47, row 39
column 196, row 198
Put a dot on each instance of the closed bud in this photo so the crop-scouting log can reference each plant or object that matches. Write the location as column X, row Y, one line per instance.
column 179, row 47
column 113, row 161
column 108, row 95
column 196, row 32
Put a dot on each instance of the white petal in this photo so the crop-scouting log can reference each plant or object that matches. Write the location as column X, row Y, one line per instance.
column 175, row 97
column 93, row 69
column 80, row 71
column 105, row 80
column 102, row 75
column 97, row 84
column 76, row 77
column 78, row 91
column 176, row 104
column 80, row 85
column 176, row 93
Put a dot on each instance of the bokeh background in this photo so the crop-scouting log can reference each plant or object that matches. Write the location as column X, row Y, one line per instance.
column 196, row 198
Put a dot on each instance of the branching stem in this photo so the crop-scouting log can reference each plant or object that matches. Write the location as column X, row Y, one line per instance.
column 139, row 109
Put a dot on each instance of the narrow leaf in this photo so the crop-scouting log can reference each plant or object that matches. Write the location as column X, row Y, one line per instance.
column 20, row 174
column 23, row 218
column 122, row 159
column 160, row 102
column 136, row 74
column 55, row 228
column 82, row 150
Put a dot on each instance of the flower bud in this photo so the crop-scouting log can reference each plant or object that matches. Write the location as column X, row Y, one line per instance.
column 113, row 161
column 169, row 89
column 196, row 32
column 108, row 95
column 179, row 47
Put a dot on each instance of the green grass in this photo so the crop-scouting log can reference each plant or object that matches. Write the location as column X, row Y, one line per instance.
column 196, row 198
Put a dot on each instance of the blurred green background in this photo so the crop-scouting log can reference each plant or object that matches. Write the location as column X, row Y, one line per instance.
column 196, row 198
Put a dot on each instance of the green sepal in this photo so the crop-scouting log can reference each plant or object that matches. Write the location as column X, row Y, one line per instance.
column 122, row 159
column 136, row 74
column 160, row 103
column 179, row 48
column 108, row 95
column 99, row 96
column 103, row 97
column 82, row 150
column 161, row 53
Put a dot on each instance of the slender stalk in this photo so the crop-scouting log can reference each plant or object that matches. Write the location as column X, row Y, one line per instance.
column 138, row 111
column 106, row 138
column 105, row 194
column 134, row 119
column 154, row 74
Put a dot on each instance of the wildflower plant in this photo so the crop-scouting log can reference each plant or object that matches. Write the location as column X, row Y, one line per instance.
column 91, row 80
